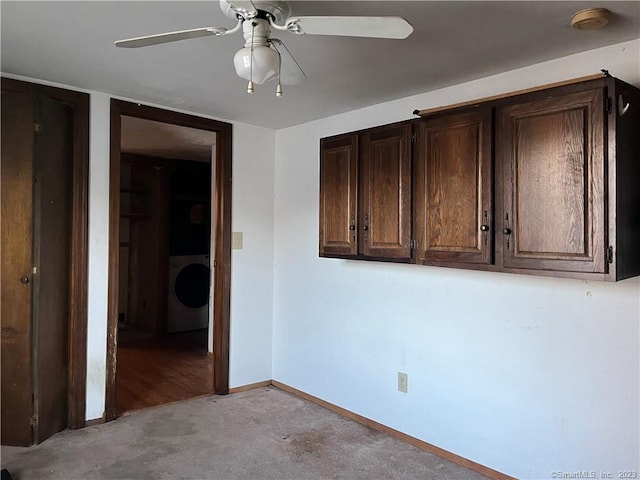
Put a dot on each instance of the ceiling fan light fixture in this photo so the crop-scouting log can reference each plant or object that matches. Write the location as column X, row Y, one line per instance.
column 261, row 60
column 258, row 64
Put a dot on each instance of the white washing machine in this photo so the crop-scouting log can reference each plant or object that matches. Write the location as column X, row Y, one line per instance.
column 189, row 277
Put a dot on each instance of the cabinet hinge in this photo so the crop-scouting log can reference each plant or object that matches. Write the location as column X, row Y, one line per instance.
column 34, row 270
column 609, row 254
column 34, row 420
column 412, row 244
column 413, row 138
column 37, row 127
column 608, row 105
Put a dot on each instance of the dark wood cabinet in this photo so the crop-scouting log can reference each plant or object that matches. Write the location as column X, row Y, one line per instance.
column 543, row 182
column 623, row 185
column 365, row 194
column 552, row 157
column 338, row 196
column 569, row 181
column 453, row 220
column 385, row 186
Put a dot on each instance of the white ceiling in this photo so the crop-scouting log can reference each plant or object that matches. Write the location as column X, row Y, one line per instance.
column 156, row 139
column 453, row 42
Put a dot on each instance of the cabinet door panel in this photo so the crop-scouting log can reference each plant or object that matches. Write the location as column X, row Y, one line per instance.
column 385, row 214
column 338, row 196
column 453, row 189
column 553, row 174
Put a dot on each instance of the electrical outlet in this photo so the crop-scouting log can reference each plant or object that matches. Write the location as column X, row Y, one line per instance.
column 236, row 241
column 402, row 382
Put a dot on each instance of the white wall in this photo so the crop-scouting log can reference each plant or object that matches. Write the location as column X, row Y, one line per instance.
column 98, row 253
column 252, row 272
column 526, row 375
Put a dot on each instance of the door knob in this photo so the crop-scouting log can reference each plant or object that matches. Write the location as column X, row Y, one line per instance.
column 506, row 231
column 24, row 279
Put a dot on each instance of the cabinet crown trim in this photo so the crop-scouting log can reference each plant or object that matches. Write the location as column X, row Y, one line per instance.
column 428, row 111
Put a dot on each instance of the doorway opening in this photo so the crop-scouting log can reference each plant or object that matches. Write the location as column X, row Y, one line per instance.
column 170, row 252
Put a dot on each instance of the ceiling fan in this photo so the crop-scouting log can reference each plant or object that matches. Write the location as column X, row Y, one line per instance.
column 263, row 57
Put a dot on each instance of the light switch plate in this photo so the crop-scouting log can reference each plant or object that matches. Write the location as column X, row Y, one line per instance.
column 236, row 241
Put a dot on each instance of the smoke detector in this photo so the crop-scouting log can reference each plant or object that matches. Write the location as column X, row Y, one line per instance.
column 590, row 18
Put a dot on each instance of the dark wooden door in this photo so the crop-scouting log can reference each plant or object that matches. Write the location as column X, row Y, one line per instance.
column 552, row 159
column 17, row 235
column 53, row 168
column 338, row 196
column 453, row 189
column 37, row 158
column 385, row 202
column 141, row 218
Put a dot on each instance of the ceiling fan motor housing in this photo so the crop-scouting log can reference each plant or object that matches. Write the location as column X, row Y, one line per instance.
column 257, row 61
column 278, row 10
column 256, row 32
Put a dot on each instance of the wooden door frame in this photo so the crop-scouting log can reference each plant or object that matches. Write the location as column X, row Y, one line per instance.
column 78, row 301
column 221, row 209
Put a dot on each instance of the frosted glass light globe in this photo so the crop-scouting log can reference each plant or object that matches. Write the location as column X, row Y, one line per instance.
column 265, row 63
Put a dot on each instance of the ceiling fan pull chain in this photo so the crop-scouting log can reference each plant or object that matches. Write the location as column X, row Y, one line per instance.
column 279, row 86
column 250, row 85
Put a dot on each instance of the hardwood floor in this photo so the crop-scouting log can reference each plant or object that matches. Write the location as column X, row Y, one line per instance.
column 157, row 370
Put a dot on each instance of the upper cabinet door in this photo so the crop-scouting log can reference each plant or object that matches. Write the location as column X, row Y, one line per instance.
column 385, row 208
column 552, row 159
column 453, row 189
column 338, row 196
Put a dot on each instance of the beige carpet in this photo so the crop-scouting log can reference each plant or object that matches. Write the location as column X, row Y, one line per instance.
column 260, row 434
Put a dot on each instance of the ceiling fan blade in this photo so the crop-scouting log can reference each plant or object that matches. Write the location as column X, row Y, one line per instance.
column 290, row 71
column 375, row 27
column 171, row 37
